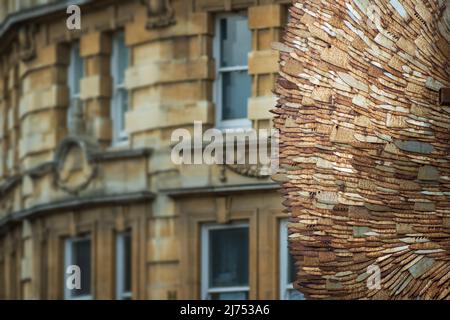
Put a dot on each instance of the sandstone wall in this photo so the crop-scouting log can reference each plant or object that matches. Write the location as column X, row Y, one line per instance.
column 53, row 185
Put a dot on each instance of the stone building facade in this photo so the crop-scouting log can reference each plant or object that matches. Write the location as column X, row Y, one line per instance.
column 86, row 177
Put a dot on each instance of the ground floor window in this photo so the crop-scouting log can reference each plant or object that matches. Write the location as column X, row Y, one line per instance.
column 123, row 265
column 287, row 267
column 225, row 262
column 77, row 252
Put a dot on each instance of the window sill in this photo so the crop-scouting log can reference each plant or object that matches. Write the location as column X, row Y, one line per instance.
column 85, row 297
column 125, row 296
column 120, row 145
column 225, row 125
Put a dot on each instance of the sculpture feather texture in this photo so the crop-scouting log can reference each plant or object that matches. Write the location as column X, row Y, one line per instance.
column 365, row 147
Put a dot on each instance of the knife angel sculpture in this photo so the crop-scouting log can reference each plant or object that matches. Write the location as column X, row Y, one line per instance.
column 364, row 125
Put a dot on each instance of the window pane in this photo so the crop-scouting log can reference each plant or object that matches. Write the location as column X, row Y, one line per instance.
column 122, row 55
column 291, row 268
column 295, row 295
column 292, row 294
column 229, row 296
column 123, row 108
column 119, row 64
column 82, row 258
column 127, row 262
column 77, row 70
column 235, row 41
column 228, row 257
column 236, row 89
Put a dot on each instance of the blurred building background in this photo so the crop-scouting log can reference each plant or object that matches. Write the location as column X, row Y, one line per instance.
column 86, row 177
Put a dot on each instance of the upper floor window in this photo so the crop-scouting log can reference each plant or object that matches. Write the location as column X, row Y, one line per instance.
column 225, row 262
column 123, row 265
column 74, row 74
column 233, row 42
column 119, row 102
column 77, row 252
column 287, row 268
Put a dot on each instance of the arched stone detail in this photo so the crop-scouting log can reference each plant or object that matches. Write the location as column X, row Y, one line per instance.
column 74, row 154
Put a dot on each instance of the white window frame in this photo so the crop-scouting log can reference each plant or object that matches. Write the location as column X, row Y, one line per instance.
column 244, row 123
column 285, row 285
column 119, row 133
column 71, row 72
column 68, row 260
column 206, row 290
column 120, row 265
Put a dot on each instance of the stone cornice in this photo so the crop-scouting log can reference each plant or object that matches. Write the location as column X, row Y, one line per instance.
column 97, row 157
column 220, row 190
column 35, row 12
column 75, row 203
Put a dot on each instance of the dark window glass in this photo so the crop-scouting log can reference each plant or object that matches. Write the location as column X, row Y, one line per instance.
column 127, row 262
column 236, row 89
column 119, row 65
column 81, row 255
column 122, row 57
column 292, row 271
column 235, row 41
column 243, row 295
column 77, row 69
column 228, row 257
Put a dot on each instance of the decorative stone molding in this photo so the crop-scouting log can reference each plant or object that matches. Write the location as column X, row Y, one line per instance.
column 74, row 169
column 73, row 203
column 27, row 42
column 160, row 13
column 257, row 171
column 223, row 207
column 224, row 5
